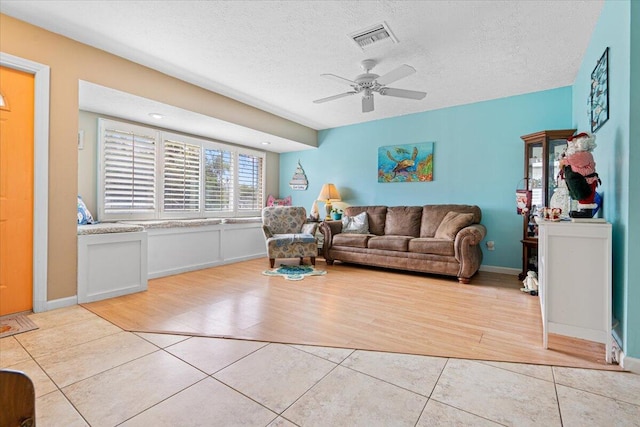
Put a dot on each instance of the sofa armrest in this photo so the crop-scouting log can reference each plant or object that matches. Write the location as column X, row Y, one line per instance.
column 467, row 249
column 328, row 230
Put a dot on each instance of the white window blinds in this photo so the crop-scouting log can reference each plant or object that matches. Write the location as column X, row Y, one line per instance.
column 218, row 176
column 181, row 176
column 249, row 182
column 129, row 168
column 145, row 173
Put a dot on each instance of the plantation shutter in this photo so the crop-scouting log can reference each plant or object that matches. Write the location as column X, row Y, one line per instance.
column 218, row 176
column 129, row 171
column 250, row 197
column 181, row 177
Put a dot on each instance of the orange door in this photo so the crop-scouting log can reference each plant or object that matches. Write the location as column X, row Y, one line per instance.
column 16, row 191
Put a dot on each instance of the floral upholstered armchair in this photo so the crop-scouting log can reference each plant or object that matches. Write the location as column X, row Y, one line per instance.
column 288, row 234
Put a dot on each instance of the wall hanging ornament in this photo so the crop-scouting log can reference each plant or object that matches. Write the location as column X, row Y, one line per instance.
column 299, row 179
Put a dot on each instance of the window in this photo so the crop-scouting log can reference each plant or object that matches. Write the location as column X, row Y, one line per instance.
column 249, row 182
column 128, row 166
column 181, row 176
column 218, row 176
column 148, row 174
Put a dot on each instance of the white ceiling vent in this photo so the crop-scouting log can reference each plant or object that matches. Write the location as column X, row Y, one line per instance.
column 373, row 36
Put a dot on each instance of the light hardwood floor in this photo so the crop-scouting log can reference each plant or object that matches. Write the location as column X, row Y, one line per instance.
column 354, row 307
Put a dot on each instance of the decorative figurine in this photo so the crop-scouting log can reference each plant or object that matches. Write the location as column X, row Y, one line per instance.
column 530, row 283
column 578, row 169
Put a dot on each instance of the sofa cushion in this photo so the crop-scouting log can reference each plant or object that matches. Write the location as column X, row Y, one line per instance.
column 358, row 224
column 432, row 216
column 452, row 223
column 376, row 216
column 351, row 239
column 430, row 245
column 403, row 221
column 390, row 243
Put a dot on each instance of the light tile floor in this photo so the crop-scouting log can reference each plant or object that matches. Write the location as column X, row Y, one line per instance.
column 87, row 371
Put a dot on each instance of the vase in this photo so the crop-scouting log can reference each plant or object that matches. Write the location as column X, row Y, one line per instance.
column 336, row 216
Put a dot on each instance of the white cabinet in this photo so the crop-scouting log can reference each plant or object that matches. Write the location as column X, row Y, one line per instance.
column 574, row 273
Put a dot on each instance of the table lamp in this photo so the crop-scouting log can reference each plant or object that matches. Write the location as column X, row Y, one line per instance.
column 328, row 194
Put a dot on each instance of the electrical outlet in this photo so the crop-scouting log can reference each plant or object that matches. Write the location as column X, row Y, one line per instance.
column 491, row 245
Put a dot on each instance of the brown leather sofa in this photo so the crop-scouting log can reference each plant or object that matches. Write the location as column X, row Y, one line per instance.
column 440, row 239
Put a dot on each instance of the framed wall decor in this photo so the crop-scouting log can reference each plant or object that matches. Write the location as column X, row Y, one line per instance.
column 406, row 163
column 599, row 97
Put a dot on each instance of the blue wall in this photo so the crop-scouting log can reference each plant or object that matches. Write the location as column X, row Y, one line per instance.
column 617, row 155
column 478, row 159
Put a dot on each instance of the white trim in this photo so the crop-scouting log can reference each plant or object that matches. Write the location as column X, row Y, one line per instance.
column 41, row 174
column 631, row 364
column 502, row 270
column 60, row 303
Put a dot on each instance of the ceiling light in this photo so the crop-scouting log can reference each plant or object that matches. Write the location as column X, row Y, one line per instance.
column 156, row 116
column 266, row 143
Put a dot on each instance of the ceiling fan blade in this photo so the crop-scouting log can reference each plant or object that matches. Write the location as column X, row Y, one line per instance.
column 367, row 103
column 339, row 79
column 399, row 73
column 331, row 98
column 402, row 93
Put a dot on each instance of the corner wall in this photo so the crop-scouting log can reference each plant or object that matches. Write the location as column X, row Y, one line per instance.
column 70, row 62
column 478, row 159
column 617, row 156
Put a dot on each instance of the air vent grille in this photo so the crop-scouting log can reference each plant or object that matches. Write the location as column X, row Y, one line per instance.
column 373, row 36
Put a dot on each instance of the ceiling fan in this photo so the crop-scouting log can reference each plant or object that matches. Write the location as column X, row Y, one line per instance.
column 368, row 83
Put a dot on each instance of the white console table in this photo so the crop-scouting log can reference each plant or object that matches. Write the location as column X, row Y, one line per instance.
column 574, row 272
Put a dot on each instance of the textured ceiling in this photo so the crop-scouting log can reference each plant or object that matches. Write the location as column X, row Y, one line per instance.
column 270, row 54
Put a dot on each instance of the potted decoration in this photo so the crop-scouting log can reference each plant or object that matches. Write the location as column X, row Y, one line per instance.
column 336, row 214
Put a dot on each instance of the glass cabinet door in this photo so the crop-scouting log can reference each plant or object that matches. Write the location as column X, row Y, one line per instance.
column 535, row 176
column 554, row 153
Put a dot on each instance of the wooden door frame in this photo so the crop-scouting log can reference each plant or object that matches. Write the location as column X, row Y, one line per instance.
column 41, row 173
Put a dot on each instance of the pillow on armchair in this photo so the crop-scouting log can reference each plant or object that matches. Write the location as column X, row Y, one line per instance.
column 452, row 223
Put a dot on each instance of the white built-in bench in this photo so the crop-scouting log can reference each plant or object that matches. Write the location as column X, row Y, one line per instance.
column 112, row 261
column 177, row 246
column 110, row 255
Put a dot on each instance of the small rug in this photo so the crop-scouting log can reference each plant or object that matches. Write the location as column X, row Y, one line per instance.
column 294, row 272
column 15, row 324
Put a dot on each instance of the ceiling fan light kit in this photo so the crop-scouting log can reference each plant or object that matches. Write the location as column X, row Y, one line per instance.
column 368, row 83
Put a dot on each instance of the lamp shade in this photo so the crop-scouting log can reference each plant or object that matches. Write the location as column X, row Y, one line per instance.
column 329, row 192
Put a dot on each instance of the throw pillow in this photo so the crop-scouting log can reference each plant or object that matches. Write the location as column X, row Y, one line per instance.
column 452, row 223
column 272, row 201
column 358, row 224
column 309, row 228
column 84, row 216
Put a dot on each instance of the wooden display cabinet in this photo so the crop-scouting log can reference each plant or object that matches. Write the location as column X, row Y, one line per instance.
column 542, row 151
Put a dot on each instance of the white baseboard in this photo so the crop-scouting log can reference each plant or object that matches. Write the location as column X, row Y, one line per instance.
column 61, row 303
column 502, row 270
column 631, row 364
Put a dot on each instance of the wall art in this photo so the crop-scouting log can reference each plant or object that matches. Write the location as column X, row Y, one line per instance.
column 406, row 163
column 599, row 97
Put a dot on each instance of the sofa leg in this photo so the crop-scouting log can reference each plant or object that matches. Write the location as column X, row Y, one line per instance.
column 464, row 280
column 313, row 261
column 272, row 261
column 301, row 260
column 329, row 262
